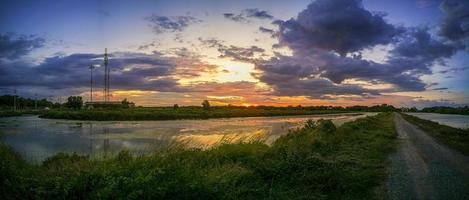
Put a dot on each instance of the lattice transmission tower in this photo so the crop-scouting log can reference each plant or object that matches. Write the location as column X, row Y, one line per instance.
column 106, row 76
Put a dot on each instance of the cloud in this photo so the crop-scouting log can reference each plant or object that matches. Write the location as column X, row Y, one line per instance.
column 453, row 69
column 243, row 54
column 248, row 13
column 342, row 26
column 424, row 103
column 236, row 18
column 455, row 24
column 13, row 46
column 266, row 30
column 256, row 13
column 161, row 24
column 440, row 88
column 129, row 71
column 211, row 42
column 326, row 41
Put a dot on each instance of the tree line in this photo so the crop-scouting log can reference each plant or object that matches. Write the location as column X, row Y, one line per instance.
column 22, row 103
column 76, row 102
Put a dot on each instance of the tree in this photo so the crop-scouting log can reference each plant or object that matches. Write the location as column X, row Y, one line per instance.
column 206, row 104
column 74, row 102
column 125, row 103
column 176, row 106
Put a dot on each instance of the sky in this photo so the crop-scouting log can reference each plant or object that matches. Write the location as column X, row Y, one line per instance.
column 279, row 53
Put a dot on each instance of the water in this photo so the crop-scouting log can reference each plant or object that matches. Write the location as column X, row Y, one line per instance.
column 37, row 139
column 457, row 121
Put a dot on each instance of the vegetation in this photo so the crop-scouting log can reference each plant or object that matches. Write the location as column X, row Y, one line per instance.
column 22, row 103
column 10, row 113
column 204, row 112
column 455, row 138
column 318, row 161
column 206, row 104
column 170, row 113
column 74, row 102
column 448, row 110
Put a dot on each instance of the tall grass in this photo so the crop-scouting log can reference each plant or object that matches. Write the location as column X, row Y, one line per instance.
column 318, row 161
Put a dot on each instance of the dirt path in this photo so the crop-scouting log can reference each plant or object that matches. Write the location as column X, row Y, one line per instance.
column 424, row 169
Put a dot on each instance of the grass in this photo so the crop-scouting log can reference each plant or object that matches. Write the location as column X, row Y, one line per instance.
column 10, row 113
column 318, row 161
column 167, row 113
column 455, row 138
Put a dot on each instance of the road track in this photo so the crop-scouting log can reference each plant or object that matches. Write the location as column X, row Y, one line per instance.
column 422, row 168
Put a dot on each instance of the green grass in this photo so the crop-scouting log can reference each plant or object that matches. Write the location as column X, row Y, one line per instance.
column 455, row 138
column 318, row 161
column 167, row 113
column 10, row 113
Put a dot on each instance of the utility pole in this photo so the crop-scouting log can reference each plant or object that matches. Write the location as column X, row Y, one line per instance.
column 106, row 76
column 14, row 101
column 91, row 83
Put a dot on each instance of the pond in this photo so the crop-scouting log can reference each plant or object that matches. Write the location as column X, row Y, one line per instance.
column 37, row 139
column 457, row 121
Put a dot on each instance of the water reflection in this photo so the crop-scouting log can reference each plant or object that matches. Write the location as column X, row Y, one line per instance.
column 38, row 139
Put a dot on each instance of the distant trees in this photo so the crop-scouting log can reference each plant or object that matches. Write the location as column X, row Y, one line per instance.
column 175, row 106
column 74, row 102
column 125, row 103
column 447, row 110
column 206, row 105
column 7, row 101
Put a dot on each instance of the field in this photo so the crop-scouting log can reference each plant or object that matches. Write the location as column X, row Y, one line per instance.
column 168, row 113
column 318, row 161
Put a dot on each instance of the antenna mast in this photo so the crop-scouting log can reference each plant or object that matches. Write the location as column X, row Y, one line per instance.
column 91, row 83
column 106, row 76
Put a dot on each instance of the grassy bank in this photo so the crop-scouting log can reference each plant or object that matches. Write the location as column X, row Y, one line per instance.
column 9, row 113
column 318, row 161
column 455, row 138
column 166, row 113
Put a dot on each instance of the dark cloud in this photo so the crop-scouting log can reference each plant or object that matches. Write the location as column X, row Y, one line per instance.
column 440, row 88
column 326, row 32
column 455, row 24
column 13, row 46
column 243, row 54
column 454, row 69
column 298, row 76
column 129, row 71
column 266, row 30
column 342, row 26
column 162, row 24
column 256, row 13
column 240, row 53
column 148, row 46
column 236, row 18
column 211, row 42
column 248, row 13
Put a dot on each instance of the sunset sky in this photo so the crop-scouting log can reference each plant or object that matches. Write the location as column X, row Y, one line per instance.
column 322, row 52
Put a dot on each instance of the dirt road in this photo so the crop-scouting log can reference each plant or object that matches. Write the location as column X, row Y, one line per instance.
column 424, row 169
